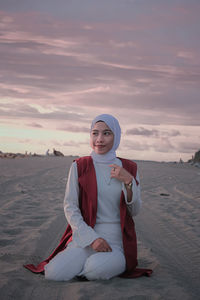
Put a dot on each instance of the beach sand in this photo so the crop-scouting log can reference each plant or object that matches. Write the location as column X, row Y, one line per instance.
column 32, row 222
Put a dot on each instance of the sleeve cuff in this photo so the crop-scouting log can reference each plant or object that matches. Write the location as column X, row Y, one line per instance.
column 125, row 192
column 84, row 238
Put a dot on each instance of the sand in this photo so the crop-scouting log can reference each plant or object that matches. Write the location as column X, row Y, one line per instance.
column 32, row 222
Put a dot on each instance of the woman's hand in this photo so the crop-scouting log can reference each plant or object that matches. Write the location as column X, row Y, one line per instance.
column 120, row 173
column 100, row 245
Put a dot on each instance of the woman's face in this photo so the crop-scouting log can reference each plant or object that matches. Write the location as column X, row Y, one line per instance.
column 101, row 138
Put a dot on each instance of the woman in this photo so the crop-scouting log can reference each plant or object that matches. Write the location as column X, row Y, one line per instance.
column 102, row 196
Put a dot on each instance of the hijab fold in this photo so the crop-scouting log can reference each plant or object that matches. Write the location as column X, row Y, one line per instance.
column 113, row 124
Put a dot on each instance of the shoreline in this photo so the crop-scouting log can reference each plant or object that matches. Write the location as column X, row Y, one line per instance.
column 12, row 155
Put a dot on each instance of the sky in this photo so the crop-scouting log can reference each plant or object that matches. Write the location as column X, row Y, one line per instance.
column 64, row 62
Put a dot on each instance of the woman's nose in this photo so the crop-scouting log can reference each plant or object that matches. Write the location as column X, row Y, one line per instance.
column 100, row 138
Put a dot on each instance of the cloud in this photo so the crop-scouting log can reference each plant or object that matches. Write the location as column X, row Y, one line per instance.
column 164, row 145
column 185, row 54
column 35, row 125
column 153, row 132
column 72, row 128
column 75, row 144
column 188, row 147
column 18, row 110
column 135, row 145
column 63, row 63
column 142, row 131
column 69, row 64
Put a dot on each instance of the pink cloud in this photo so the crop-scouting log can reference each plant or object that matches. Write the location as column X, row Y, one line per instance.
column 141, row 66
column 152, row 132
column 72, row 128
column 36, row 125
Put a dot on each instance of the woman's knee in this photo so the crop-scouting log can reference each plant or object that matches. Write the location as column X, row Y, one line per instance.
column 66, row 264
column 104, row 265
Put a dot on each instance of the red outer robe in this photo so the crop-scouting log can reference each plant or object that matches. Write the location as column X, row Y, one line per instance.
column 88, row 207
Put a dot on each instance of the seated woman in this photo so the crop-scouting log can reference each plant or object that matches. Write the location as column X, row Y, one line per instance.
column 102, row 197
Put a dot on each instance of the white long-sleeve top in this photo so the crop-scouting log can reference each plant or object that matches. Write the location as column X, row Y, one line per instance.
column 108, row 203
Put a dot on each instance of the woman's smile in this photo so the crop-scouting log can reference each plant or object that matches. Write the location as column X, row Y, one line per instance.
column 100, row 146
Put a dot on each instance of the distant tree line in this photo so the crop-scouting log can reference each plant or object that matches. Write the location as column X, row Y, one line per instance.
column 195, row 158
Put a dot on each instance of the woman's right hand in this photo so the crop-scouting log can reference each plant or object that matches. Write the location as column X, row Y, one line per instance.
column 100, row 245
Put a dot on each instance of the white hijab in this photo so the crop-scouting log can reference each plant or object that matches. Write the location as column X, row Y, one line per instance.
column 113, row 124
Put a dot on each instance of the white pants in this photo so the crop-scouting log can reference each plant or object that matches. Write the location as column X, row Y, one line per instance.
column 86, row 262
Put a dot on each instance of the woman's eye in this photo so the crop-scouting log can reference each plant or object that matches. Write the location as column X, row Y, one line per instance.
column 94, row 133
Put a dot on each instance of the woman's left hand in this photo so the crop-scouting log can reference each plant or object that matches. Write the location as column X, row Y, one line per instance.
column 120, row 173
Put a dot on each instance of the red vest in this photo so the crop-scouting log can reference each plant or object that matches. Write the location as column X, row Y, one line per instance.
column 88, row 206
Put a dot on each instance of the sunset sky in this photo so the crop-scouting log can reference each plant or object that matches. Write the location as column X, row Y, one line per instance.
column 63, row 62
